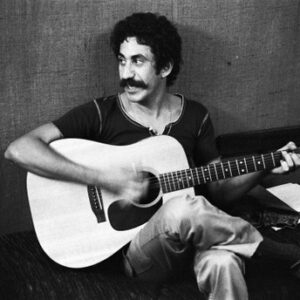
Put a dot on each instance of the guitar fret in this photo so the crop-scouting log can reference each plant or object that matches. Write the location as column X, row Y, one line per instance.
column 186, row 176
column 263, row 160
column 247, row 171
column 173, row 182
column 168, row 183
column 237, row 167
column 222, row 168
column 273, row 159
column 254, row 163
column 197, row 174
column 207, row 174
column 203, row 175
column 220, row 171
column 249, row 166
column 231, row 169
column 193, row 177
column 180, row 179
column 242, row 166
column 216, row 171
column 226, row 169
column 163, row 183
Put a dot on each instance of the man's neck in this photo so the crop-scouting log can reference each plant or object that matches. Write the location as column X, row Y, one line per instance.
column 155, row 114
column 152, row 106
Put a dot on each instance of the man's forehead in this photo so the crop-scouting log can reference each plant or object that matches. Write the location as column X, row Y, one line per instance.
column 130, row 47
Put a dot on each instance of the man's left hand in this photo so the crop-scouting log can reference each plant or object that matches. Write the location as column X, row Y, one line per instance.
column 289, row 161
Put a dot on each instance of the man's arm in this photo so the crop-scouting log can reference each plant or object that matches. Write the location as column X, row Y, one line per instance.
column 224, row 193
column 33, row 153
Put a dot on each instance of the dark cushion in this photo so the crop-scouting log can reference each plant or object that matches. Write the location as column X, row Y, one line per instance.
column 27, row 273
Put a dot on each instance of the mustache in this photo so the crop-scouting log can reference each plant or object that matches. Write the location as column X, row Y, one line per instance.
column 133, row 83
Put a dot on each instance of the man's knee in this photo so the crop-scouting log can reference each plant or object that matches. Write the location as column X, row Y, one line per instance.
column 184, row 208
column 218, row 261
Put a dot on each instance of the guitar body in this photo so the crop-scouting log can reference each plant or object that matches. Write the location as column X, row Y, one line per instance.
column 77, row 225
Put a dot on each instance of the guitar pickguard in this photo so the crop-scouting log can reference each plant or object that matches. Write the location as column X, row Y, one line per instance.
column 124, row 215
column 127, row 216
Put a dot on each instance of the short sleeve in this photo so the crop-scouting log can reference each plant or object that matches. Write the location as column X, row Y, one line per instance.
column 81, row 122
column 206, row 149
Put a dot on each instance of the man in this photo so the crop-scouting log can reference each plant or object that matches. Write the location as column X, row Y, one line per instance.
column 185, row 230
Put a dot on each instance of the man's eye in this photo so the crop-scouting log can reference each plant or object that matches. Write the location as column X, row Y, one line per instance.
column 138, row 61
column 121, row 61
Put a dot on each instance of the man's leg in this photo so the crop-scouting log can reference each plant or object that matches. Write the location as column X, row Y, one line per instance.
column 281, row 248
column 220, row 275
column 181, row 226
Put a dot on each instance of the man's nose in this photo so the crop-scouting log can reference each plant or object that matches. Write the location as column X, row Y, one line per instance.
column 128, row 71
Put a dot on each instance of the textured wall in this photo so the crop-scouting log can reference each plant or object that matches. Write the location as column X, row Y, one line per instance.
column 242, row 60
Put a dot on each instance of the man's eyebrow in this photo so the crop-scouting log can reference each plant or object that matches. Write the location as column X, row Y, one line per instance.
column 133, row 57
column 138, row 56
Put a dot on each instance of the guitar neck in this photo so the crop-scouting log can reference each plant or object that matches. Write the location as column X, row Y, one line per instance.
column 182, row 179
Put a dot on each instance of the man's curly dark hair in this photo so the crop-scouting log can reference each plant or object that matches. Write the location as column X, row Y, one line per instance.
column 155, row 31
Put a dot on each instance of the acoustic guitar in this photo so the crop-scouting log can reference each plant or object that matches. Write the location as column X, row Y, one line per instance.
column 80, row 225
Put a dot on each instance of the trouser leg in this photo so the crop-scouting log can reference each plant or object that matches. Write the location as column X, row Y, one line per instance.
column 182, row 225
column 220, row 275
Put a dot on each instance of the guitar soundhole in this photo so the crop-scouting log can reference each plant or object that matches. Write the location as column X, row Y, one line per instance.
column 125, row 217
column 153, row 188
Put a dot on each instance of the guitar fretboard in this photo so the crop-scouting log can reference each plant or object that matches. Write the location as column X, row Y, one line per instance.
column 182, row 179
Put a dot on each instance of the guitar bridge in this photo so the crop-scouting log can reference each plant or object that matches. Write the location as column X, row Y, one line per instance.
column 96, row 202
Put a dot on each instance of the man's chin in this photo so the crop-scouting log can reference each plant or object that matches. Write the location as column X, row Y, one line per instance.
column 135, row 95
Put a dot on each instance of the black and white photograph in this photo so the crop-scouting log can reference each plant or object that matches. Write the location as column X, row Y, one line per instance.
column 150, row 150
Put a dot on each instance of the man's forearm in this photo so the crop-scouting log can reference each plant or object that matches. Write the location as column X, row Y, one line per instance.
column 38, row 157
column 226, row 192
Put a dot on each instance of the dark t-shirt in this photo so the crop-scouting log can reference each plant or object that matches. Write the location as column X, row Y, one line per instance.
column 105, row 120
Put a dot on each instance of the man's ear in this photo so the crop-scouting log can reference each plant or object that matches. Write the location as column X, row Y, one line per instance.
column 166, row 70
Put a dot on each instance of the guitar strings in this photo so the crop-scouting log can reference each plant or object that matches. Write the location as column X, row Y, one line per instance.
column 216, row 172
column 169, row 177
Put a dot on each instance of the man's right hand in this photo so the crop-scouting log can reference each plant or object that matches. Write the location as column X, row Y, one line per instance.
column 127, row 182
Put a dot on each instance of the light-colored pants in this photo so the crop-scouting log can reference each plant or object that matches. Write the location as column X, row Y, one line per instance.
column 187, row 227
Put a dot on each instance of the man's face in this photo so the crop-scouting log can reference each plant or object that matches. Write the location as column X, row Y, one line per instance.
column 137, row 71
